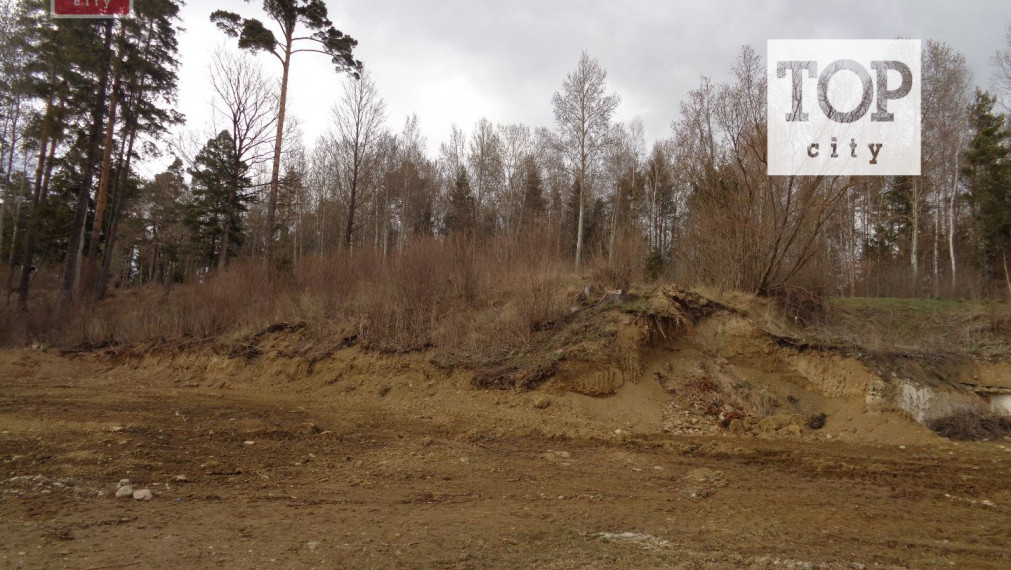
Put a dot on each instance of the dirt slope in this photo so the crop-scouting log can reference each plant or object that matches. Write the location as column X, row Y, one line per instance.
column 689, row 452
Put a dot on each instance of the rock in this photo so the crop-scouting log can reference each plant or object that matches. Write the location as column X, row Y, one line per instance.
column 792, row 430
column 143, row 495
column 124, row 482
column 124, row 492
column 541, row 402
column 181, row 479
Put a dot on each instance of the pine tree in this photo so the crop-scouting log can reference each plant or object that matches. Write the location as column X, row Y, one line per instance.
column 162, row 237
column 215, row 213
column 322, row 37
column 988, row 173
column 892, row 233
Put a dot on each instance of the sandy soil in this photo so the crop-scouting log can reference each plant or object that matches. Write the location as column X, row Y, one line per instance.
column 399, row 468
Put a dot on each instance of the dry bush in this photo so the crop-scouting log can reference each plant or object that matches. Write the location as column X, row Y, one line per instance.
column 622, row 267
column 479, row 304
column 972, row 425
column 398, row 309
column 800, row 305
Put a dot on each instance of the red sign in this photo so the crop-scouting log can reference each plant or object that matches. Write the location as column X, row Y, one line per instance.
column 92, row 8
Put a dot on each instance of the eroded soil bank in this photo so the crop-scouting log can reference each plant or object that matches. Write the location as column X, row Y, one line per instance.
column 365, row 460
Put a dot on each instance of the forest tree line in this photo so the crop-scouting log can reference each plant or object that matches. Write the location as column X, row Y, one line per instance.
column 83, row 102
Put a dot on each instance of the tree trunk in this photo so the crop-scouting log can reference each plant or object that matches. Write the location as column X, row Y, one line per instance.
column 951, row 222
column 579, row 224
column 353, row 202
column 35, row 219
column 935, row 275
column 103, row 182
column 951, row 243
column 226, row 228
column 110, row 241
column 914, row 256
column 10, row 165
column 275, row 171
column 14, row 233
column 72, row 266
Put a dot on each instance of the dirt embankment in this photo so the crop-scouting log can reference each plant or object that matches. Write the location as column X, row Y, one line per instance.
column 668, row 431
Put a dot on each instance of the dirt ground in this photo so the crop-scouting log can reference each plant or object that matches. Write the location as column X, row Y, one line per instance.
column 399, row 468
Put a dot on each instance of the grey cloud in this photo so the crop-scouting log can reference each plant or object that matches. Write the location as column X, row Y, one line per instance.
column 514, row 55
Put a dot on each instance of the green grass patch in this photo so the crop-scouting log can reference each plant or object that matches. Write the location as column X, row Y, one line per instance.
column 943, row 327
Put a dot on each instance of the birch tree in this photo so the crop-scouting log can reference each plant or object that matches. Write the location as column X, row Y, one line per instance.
column 583, row 111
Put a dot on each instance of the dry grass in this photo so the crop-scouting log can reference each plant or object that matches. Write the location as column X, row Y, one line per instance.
column 504, row 308
column 480, row 306
column 937, row 327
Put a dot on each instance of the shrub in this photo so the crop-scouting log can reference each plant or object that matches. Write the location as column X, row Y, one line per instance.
column 972, row 425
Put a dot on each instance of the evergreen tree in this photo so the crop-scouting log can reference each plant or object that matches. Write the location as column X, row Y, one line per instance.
column 322, row 37
column 215, row 213
column 988, row 173
column 892, row 232
column 162, row 237
column 534, row 203
column 460, row 215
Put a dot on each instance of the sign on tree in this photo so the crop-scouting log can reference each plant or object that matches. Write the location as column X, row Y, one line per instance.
column 92, row 8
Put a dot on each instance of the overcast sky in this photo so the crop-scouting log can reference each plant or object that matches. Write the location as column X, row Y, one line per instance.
column 455, row 61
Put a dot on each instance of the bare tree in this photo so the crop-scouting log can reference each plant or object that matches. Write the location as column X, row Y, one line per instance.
column 485, row 162
column 247, row 104
column 945, row 117
column 318, row 35
column 453, row 153
column 1002, row 71
column 583, row 111
column 359, row 120
column 748, row 230
column 411, row 178
column 516, row 144
column 624, row 158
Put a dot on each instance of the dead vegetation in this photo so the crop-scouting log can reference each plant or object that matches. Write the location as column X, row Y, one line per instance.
column 514, row 317
column 972, row 426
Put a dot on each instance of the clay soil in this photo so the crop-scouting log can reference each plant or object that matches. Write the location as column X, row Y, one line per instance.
column 399, row 471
